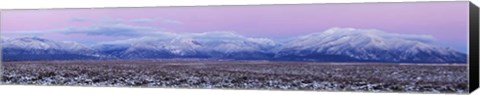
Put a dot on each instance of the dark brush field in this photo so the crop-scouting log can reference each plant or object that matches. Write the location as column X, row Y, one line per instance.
column 242, row 75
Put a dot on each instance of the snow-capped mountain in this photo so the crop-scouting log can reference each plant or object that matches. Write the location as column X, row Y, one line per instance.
column 34, row 48
column 334, row 45
column 349, row 44
column 152, row 48
column 197, row 45
column 36, row 43
column 231, row 45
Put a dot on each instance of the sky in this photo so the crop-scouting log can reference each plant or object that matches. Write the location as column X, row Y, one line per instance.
column 447, row 22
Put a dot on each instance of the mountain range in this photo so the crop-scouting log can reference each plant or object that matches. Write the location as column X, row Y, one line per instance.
column 332, row 45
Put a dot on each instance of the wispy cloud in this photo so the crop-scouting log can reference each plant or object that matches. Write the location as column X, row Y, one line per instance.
column 143, row 20
column 127, row 21
column 111, row 30
column 154, row 20
column 382, row 34
column 169, row 21
column 421, row 38
column 26, row 33
column 79, row 20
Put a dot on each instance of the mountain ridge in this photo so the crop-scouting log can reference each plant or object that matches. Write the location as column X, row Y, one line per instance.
column 332, row 45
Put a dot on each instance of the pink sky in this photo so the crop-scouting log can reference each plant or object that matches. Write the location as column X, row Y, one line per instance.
column 445, row 21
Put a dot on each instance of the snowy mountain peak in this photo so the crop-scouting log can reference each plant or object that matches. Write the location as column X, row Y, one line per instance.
column 334, row 44
column 350, row 31
column 338, row 29
column 368, row 44
column 29, row 43
column 33, row 43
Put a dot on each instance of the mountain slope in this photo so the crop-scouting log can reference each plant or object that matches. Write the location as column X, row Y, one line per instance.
column 34, row 48
column 348, row 44
column 332, row 45
column 198, row 45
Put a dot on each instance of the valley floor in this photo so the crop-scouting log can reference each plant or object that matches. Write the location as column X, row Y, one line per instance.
column 241, row 75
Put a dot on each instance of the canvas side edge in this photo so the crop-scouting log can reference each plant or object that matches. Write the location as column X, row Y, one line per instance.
column 473, row 47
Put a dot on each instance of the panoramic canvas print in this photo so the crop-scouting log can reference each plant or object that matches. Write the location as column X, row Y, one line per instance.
column 381, row 47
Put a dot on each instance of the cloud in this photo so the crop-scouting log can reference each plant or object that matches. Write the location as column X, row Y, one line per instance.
column 169, row 21
column 111, row 30
column 127, row 21
column 378, row 33
column 421, row 38
column 25, row 33
column 154, row 36
column 143, row 20
column 112, row 21
column 385, row 34
column 79, row 20
column 153, row 20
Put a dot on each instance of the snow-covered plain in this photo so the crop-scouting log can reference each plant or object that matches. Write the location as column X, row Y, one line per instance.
column 377, row 77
